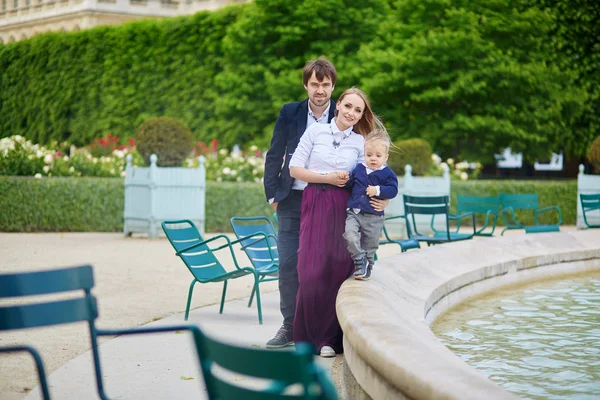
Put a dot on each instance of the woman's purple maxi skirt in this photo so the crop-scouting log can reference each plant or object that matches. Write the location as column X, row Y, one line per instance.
column 323, row 265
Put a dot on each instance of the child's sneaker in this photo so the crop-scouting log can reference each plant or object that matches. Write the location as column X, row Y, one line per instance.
column 361, row 268
column 366, row 273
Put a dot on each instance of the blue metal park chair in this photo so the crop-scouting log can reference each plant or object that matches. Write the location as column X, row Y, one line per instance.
column 434, row 205
column 488, row 205
column 290, row 374
column 590, row 203
column 259, row 241
column 405, row 244
column 79, row 307
column 201, row 261
column 285, row 375
column 529, row 201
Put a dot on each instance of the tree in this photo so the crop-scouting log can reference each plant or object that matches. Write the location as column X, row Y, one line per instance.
column 575, row 39
column 471, row 77
column 265, row 51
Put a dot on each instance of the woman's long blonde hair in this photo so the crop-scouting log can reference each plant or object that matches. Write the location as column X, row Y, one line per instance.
column 369, row 121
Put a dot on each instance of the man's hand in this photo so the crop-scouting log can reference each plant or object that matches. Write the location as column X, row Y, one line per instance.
column 274, row 205
column 338, row 178
column 379, row 204
column 371, row 191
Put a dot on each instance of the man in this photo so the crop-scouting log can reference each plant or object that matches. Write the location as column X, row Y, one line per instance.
column 283, row 192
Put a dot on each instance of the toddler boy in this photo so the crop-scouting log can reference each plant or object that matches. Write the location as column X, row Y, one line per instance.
column 363, row 224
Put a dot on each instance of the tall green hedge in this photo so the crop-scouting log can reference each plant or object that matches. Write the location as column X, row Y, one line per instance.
column 96, row 204
column 223, row 73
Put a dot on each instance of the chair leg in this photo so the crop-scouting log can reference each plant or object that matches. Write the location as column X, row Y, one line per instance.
column 97, row 366
column 503, row 230
column 251, row 296
column 189, row 300
column 38, row 363
column 223, row 296
column 258, row 305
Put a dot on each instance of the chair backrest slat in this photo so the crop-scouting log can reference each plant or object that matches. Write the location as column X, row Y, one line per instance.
column 258, row 249
column 280, row 369
column 46, row 282
column 528, row 201
column 276, row 365
column 477, row 204
column 51, row 313
column 589, row 201
column 200, row 260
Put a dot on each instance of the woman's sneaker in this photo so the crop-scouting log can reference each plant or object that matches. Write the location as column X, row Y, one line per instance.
column 327, row 352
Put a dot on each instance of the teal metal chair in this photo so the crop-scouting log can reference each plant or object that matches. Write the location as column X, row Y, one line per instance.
column 434, row 205
column 488, row 205
column 259, row 241
column 529, row 201
column 590, row 203
column 405, row 244
column 79, row 307
column 202, row 262
column 286, row 375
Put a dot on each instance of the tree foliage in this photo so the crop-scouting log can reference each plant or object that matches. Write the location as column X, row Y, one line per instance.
column 469, row 76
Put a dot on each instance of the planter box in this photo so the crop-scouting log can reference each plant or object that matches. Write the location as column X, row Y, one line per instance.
column 154, row 194
column 417, row 186
column 587, row 184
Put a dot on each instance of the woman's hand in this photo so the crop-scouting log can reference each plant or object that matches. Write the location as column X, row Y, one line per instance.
column 338, row 178
column 379, row 204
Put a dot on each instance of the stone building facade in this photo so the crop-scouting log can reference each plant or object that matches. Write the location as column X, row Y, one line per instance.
column 22, row 19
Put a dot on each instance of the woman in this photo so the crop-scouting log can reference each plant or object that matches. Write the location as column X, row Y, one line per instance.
column 324, row 157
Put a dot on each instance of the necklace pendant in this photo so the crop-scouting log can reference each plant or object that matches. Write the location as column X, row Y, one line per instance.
column 335, row 144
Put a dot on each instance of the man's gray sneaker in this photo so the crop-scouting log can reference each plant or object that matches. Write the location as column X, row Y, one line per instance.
column 282, row 338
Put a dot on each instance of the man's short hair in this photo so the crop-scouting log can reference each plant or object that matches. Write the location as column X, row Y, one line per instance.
column 322, row 68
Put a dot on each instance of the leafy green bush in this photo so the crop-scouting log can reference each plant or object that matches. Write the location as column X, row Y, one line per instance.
column 593, row 154
column 168, row 138
column 416, row 152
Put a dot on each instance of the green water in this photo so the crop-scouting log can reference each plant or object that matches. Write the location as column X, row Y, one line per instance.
column 540, row 341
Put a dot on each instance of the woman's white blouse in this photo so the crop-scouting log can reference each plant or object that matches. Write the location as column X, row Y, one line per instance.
column 317, row 152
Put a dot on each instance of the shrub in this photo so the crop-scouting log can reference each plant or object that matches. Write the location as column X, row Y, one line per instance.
column 593, row 155
column 168, row 138
column 416, row 152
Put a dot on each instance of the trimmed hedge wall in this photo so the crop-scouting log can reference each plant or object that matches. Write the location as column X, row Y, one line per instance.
column 96, row 204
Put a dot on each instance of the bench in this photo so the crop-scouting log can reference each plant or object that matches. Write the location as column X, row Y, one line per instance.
column 589, row 203
column 488, row 205
column 512, row 202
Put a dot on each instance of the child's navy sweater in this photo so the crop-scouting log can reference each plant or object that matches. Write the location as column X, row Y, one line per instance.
column 385, row 178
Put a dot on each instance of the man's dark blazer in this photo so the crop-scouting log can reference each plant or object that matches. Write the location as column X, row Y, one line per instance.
column 289, row 127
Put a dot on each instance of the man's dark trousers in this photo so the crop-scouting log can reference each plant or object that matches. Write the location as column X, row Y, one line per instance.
column 288, row 216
